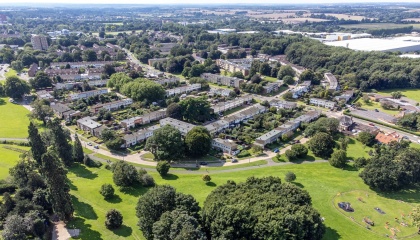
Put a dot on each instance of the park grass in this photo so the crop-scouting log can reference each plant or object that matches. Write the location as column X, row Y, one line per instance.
column 10, row 73
column 87, row 151
column 322, row 181
column 413, row 94
column 371, row 105
column 364, row 205
column 9, row 158
column 148, row 156
column 13, row 121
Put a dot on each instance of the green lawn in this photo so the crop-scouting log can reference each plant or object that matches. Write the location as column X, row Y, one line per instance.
column 9, row 159
column 13, row 121
column 376, row 105
column 10, row 73
column 379, row 25
column 410, row 93
column 364, row 204
column 322, row 181
column 87, row 151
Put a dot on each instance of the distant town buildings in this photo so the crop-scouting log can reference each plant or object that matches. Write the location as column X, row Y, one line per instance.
column 222, row 80
column 281, row 104
column 87, row 94
column 182, row 90
column 235, row 65
column 112, row 106
column 39, row 42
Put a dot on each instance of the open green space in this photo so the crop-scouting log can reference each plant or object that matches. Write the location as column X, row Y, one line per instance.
column 379, row 25
column 10, row 73
column 385, row 222
column 322, row 181
column 413, row 94
column 9, row 158
column 376, row 105
column 13, row 121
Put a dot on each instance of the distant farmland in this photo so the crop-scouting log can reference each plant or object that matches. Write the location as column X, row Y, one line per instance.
column 379, row 25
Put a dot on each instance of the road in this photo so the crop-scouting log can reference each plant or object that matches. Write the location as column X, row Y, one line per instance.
column 3, row 69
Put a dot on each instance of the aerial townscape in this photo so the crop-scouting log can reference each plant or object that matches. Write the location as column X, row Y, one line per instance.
column 241, row 120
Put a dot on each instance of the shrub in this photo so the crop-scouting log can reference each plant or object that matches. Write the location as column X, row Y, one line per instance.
column 163, row 168
column 107, row 191
column 290, row 177
column 243, row 153
column 113, row 219
column 338, row 159
column 360, row 162
column 206, row 178
column 290, row 155
column 147, row 180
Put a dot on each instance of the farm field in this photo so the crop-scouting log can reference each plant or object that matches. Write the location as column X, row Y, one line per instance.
column 322, row 181
column 347, row 17
column 413, row 94
column 13, row 121
column 379, row 25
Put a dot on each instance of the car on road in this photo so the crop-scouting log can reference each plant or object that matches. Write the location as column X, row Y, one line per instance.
column 89, row 144
column 276, row 150
column 234, row 160
column 203, row 163
column 96, row 146
column 376, row 110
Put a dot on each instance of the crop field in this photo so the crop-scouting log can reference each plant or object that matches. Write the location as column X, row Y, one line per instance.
column 347, row 17
column 379, row 25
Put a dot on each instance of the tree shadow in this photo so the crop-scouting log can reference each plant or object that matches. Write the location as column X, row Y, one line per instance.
column 170, row 177
column 135, row 190
column 408, row 195
column 331, row 234
column 304, row 159
column 2, row 102
column 114, row 199
column 298, row 184
column 86, row 231
column 72, row 186
column 123, row 231
column 83, row 209
column 81, row 171
column 211, row 184
column 351, row 168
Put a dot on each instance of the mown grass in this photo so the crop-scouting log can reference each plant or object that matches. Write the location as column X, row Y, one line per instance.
column 376, row 105
column 410, row 93
column 13, row 120
column 9, row 158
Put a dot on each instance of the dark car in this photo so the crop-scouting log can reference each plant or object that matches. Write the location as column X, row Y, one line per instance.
column 276, row 150
column 203, row 163
column 234, row 160
column 345, row 206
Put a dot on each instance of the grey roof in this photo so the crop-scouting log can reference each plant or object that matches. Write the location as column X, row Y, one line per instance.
column 88, row 122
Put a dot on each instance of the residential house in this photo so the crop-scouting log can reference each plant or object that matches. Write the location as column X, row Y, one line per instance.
column 112, row 106
column 375, row 97
column 271, row 87
column 281, row 104
column 43, row 94
column 183, row 127
column 87, row 94
column 222, row 80
column 152, row 61
column 301, row 89
column 143, row 119
column 87, row 124
column 322, row 102
column 33, row 69
column 94, row 64
column 226, row 146
column 136, row 137
column 235, row 65
column 346, row 123
column 182, row 90
column 345, row 96
column 386, row 138
column 59, row 109
column 217, row 126
column 224, row 106
column 332, row 81
column 220, row 91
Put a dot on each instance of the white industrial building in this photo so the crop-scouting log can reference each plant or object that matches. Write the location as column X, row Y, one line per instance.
column 377, row 44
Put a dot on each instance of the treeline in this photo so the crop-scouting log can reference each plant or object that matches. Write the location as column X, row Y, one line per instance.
column 390, row 31
column 363, row 70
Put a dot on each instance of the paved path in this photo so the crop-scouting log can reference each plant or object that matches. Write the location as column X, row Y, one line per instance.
column 14, row 139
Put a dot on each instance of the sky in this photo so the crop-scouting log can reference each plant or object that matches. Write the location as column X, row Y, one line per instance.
column 204, row 1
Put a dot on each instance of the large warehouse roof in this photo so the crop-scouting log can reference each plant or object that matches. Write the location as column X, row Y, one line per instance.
column 376, row 44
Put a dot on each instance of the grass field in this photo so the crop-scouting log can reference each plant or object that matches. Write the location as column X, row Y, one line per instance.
column 376, row 105
column 322, row 181
column 9, row 159
column 379, row 25
column 413, row 94
column 10, row 73
column 347, row 17
column 364, row 205
column 13, row 121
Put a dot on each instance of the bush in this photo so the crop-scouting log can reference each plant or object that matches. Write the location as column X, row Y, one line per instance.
column 124, row 175
column 338, row 159
column 147, row 180
column 163, row 168
column 360, row 162
column 290, row 155
column 300, row 150
column 290, row 177
column 206, row 178
column 243, row 153
column 107, row 191
column 113, row 219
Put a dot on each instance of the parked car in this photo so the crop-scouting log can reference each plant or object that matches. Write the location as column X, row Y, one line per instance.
column 376, row 110
column 203, row 163
column 234, row 160
column 89, row 144
column 276, row 150
column 297, row 141
column 96, row 146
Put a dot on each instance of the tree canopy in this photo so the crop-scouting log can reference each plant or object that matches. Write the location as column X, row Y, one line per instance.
column 166, row 143
column 198, row 141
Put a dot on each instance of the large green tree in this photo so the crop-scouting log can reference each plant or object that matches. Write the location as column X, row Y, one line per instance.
column 55, row 175
column 141, row 90
column 321, row 144
column 338, row 159
column 124, row 174
column 35, row 141
column 198, row 141
column 261, row 209
column 41, row 110
column 195, row 109
column 177, row 225
column 77, row 150
column 166, row 143
column 61, row 140
column 366, row 138
column 15, row 87
column 41, row 80
column 118, row 80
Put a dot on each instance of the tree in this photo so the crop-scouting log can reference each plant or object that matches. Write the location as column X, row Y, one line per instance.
column 41, row 110
column 146, row 180
column 366, row 138
column 238, row 75
column 15, row 87
column 17, row 65
column 288, row 80
column 124, row 174
column 290, row 155
column 14, row 228
column 166, row 143
column 89, row 56
column 109, row 69
column 61, row 140
column 321, row 144
column 338, row 159
column 107, row 191
column 77, row 150
column 415, row 214
column 206, row 178
column 198, row 141
column 115, row 144
column 118, row 80
column 257, row 209
column 177, row 225
column 163, row 168
column 141, row 90
column 174, row 111
column 284, row 71
column 35, row 142
column 384, row 174
column 343, row 142
column 290, row 177
column 300, row 150
column 57, row 183
column 41, row 80
column 396, row 95
column 360, row 162
column 307, row 75
column 113, row 219
column 195, row 109
column 157, row 201
column 288, row 95
column 265, row 69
